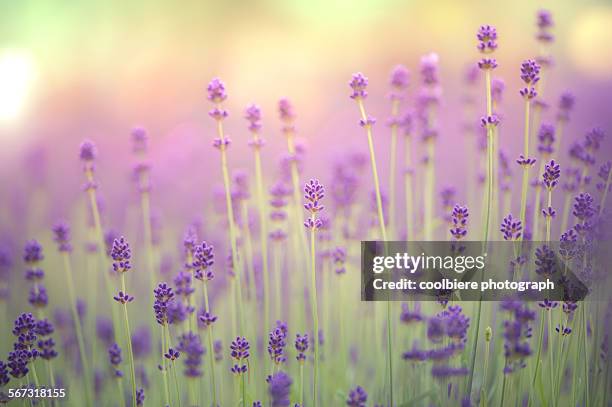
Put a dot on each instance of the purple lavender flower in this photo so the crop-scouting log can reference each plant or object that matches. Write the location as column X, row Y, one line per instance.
column 487, row 39
column 46, row 349
column 276, row 345
column 529, row 74
column 301, row 346
column 445, row 371
column 182, row 283
column 140, row 397
column 459, row 219
column 551, row 175
column 357, row 397
column 141, row 342
column 358, row 84
column 44, row 327
column 253, row 115
column 87, row 151
column 240, row 352
column 115, row 358
column 511, row 228
column 544, row 23
column 191, row 347
column 546, row 261
column 429, row 69
column 313, row 193
column 593, row 139
column 163, row 297
column 408, row 316
column 203, row 259
column 516, row 332
column 61, row 236
column 32, row 252
column 400, row 77
column 4, row 374
column 548, row 304
column 139, row 139
column 123, row 298
column 121, row 255
column 339, row 259
column 287, row 115
column 218, row 350
column 207, row 319
column 546, row 138
column 38, row 297
column 17, row 363
column 105, row 330
column 584, row 207
column 566, row 104
column 525, row 161
column 279, row 389
column 216, row 91
column 172, row 354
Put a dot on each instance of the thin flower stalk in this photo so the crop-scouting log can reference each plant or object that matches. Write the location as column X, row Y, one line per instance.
column 399, row 82
column 359, row 84
column 216, row 94
column 314, row 193
column 253, row 116
column 77, row 325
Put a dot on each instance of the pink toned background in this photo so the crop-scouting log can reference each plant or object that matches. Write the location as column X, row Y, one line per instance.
column 94, row 71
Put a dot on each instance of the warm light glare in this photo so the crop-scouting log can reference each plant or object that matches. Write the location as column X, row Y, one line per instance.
column 16, row 77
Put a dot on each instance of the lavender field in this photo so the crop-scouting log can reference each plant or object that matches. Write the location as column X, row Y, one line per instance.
column 225, row 270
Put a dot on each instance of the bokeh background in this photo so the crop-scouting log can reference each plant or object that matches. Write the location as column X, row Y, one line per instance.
column 94, row 69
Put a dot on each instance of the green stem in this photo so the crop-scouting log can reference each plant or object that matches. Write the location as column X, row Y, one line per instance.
column 525, row 170
column 232, row 226
column 77, row 326
column 393, row 163
column 128, row 338
column 210, row 348
column 315, row 316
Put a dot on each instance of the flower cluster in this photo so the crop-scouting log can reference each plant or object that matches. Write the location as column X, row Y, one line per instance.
column 240, row 352
column 279, row 389
column 301, row 346
column 277, row 340
column 163, row 297
column 203, row 259
column 115, row 358
column 552, row 171
column 313, row 193
column 190, row 345
column 358, row 84
column 511, row 228
column 459, row 218
column 530, row 71
column 545, row 23
column 61, row 236
column 121, row 255
column 357, row 397
column 516, row 331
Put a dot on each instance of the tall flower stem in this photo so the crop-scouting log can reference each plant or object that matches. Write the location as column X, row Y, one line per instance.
column 128, row 338
column 174, row 375
column 77, row 326
column 301, row 384
column 263, row 230
column 525, row 185
column 487, row 217
column 210, row 347
column 314, row 310
column 548, row 218
column 383, row 231
column 490, row 175
column 248, row 248
column 121, row 394
column 393, row 163
column 164, row 368
column 232, row 226
column 145, row 203
column 537, row 205
column 408, row 188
